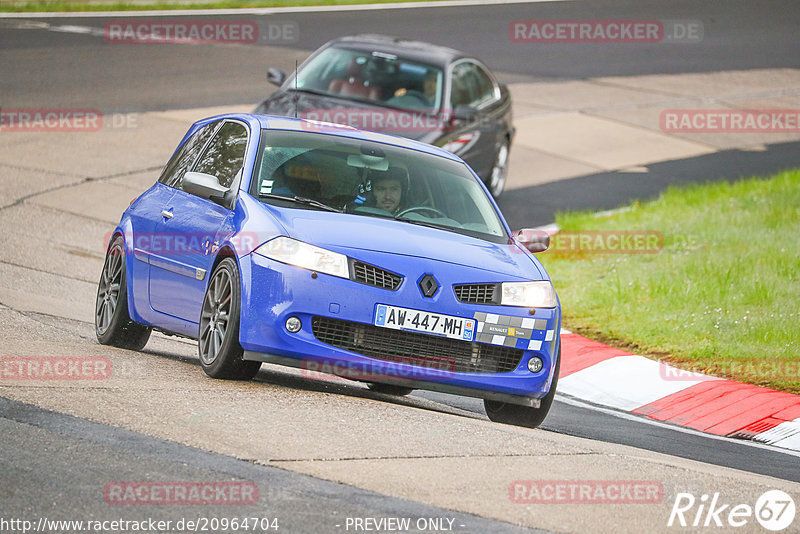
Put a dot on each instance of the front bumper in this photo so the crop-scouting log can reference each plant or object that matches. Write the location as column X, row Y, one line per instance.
column 272, row 292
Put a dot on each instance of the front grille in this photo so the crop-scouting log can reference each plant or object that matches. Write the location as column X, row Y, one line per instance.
column 375, row 276
column 417, row 349
column 478, row 293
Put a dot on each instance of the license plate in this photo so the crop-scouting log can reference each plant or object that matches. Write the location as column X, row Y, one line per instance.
column 420, row 321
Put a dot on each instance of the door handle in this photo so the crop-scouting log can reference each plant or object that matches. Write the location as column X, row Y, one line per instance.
column 166, row 214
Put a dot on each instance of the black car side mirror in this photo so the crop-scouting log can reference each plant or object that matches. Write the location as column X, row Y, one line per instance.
column 532, row 239
column 205, row 186
column 464, row 113
column 276, row 76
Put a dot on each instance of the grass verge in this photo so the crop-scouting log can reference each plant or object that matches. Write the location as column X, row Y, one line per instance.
column 709, row 280
column 141, row 5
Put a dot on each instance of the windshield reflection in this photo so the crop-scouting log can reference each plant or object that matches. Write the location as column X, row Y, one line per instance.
column 374, row 77
column 307, row 170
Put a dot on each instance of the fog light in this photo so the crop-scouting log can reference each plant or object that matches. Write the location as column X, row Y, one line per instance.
column 294, row 325
column 535, row 365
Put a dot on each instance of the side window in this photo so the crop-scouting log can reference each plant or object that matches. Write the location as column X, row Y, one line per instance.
column 185, row 156
column 459, row 89
column 484, row 85
column 224, row 156
column 472, row 86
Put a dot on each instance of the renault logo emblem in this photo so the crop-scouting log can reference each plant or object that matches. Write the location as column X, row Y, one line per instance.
column 428, row 285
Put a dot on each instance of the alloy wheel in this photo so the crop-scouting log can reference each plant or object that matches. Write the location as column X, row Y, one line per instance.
column 108, row 293
column 215, row 316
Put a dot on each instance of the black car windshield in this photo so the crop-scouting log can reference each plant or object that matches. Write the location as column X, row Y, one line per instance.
column 375, row 77
column 307, row 170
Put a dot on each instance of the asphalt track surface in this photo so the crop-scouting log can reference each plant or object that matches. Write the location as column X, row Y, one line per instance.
column 70, row 69
column 299, row 502
column 74, row 70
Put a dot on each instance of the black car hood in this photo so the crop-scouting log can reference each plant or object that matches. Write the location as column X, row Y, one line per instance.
column 422, row 126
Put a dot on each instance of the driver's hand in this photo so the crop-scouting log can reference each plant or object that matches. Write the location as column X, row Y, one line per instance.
column 400, row 92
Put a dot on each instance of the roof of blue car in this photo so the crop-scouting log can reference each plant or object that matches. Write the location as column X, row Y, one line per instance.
column 274, row 122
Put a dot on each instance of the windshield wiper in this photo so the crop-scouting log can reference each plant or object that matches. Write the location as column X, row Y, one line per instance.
column 369, row 101
column 301, row 200
column 309, row 91
column 423, row 223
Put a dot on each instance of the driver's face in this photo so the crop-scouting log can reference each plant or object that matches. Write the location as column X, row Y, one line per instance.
column 388, row 194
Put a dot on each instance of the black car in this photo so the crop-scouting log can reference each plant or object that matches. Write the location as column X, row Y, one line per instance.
column 418, row 90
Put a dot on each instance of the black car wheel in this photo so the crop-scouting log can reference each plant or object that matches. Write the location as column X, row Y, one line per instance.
column 514, row 414
column 218, row 339
column 497, row 180
column 112, row 324
column 389, row 389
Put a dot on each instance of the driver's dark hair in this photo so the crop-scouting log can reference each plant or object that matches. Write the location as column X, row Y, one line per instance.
column 392, row 173
column 398, row 174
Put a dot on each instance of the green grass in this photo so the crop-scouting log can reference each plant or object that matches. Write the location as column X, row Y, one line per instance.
column 138, row 5
column 723, row 294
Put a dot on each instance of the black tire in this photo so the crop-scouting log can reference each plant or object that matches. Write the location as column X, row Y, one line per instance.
column 499, row 174
column 112, row 323
column 389, row 389
column 218, row 335
column 515, row 414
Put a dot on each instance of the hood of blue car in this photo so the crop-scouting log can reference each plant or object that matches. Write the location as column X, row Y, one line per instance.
column 347, row 234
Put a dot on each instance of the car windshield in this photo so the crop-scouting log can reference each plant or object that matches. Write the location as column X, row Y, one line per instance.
column 308, row 170
column 375, row 77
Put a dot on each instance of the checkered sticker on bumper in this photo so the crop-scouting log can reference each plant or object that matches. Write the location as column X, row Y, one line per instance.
column 524, row 333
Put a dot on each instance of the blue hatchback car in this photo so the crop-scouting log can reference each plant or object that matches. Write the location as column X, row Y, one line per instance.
column 371, row 257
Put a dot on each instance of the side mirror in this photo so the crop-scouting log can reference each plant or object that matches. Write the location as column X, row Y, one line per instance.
column 205, row 186
column 464, row 113
column 276, row 76
column 533, row 240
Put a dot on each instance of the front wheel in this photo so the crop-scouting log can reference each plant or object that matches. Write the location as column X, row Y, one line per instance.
column 515, row 414
column 218, row 340
column 497, row 180
column 112, row 323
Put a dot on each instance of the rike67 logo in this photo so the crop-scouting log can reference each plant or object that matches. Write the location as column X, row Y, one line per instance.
column 774, row 510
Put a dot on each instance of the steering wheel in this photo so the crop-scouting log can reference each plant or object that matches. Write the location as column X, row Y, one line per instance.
column 436, row 212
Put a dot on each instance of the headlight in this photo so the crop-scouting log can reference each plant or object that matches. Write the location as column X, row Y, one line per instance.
column 299, row 254
column 529, row 294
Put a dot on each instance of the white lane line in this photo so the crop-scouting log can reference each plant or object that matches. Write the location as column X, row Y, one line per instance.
column 275, row 10
column 642, row 419
column 85, row 30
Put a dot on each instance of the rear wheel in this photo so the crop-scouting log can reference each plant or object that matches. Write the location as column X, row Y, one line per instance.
column 218, row 340
column 389, row 389
column 515, row 414
column 112, row 324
